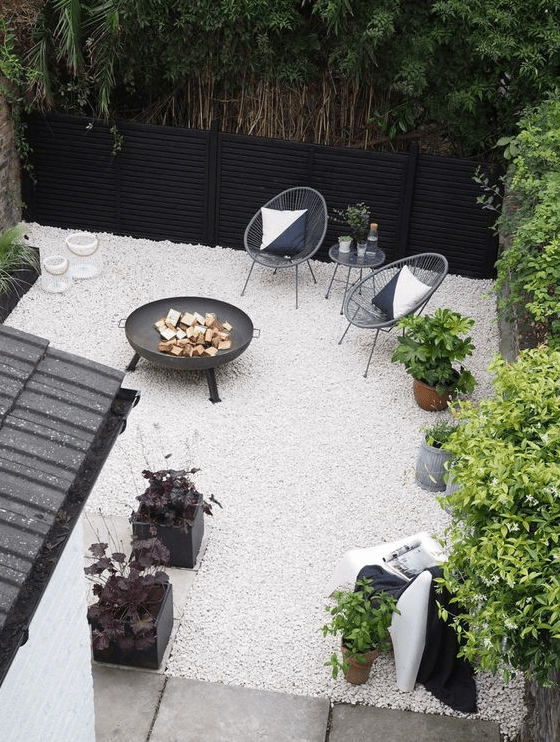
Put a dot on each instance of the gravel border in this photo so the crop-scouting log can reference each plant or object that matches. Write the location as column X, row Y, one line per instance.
column 308, row 458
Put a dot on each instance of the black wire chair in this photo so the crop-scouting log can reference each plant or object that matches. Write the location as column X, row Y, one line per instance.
column 315, row 229
column 359, row 307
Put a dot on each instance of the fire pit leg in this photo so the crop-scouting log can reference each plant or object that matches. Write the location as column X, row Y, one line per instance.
column 212, row 386
column 133, row 362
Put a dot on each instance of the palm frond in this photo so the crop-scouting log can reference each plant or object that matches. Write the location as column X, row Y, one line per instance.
column 68, row 32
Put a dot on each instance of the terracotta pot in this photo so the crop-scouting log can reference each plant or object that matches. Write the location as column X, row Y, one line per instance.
column 359, row 667
column 428, row 399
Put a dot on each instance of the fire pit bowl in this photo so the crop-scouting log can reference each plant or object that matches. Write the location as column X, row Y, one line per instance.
column 144, row 337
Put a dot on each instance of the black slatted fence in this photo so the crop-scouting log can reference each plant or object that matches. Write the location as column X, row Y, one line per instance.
column 203, row 187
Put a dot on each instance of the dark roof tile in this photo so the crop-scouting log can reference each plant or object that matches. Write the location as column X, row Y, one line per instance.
column 58, row 423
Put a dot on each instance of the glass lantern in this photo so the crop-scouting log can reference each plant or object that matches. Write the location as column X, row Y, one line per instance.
column 85, row 255
column 55, row 274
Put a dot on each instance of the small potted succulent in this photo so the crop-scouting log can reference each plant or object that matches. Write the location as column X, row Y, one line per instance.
column 431, row 462
column 19, row 268
column 344, row 243
column 172, row 509
column 131, row 620
column 362, row 618
column 428, row 349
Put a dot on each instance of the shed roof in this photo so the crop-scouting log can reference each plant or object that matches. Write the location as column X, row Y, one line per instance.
column 59, row 417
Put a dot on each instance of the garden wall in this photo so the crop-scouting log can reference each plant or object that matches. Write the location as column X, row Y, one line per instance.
column 197, row 186
column 47, row 694
column 10, row 187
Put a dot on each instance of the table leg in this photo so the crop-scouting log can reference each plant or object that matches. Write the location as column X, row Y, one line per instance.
column 331, row 283
column 212, row 386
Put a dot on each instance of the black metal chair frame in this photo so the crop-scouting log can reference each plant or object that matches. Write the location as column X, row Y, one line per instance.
column 359, row 310
column 300, row 197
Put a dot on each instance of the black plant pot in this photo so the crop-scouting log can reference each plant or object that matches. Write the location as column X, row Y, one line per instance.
column 24, row 278
column 152, row 656
column 183, row 543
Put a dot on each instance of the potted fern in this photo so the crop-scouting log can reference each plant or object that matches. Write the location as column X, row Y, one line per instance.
column 19, row 268
column 430, row 349
column 361, row 618
column 172, row 509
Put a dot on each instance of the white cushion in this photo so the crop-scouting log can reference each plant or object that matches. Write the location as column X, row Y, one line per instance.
column 408, row 292
column 283, row 230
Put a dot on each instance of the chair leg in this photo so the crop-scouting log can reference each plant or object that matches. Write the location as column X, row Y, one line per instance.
column 311, row 269
column 296, row 286
column 370, row 355
column 248, row 277
column 344, row 333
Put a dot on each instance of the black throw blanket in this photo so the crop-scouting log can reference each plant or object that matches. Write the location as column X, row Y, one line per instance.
column 448, row 677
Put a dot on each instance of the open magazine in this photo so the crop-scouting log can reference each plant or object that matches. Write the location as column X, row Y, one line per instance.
column 414, row 556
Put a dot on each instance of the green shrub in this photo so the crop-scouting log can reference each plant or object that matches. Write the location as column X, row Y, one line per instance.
column 530, row 266
column 504, row 561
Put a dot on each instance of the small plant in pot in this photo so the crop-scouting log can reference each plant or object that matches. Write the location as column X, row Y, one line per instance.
column 172, row 509
column 344, row 243
column 356, row 216
column 430, row 349
column 131, row 620
column 362, row 618
column 19, row 268
column 431, row 462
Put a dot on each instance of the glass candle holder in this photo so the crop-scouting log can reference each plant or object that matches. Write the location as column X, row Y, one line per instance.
column 85, row 255
column 55, row 274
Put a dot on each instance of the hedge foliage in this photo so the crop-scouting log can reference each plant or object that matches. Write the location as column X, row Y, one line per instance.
column 465, row 68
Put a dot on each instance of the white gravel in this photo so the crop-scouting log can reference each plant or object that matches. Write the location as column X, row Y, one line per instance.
column 308, row 458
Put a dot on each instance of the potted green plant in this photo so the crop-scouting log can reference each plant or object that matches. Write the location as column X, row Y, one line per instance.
column 362, row 618
column 19, row 268
column 431, row 462
column 344, row 243
column 428, row 349
column 173, row 510
column 356, row 216
column 132, row 618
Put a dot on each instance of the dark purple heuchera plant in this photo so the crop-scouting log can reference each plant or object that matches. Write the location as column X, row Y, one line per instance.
column 129, row 593
column 170, row 499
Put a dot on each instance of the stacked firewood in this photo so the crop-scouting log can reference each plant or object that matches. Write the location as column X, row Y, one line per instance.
column 192, row 335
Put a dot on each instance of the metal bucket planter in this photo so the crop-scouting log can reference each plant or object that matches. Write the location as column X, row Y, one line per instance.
column 183, row 542
column 151, row 656
column 430, row 467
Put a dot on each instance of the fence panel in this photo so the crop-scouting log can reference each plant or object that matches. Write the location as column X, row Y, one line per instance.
column 204, row 186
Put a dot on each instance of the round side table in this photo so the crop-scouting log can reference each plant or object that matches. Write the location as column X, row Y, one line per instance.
column 372, row 259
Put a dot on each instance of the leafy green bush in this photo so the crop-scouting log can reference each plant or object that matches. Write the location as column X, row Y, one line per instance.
column 530, row 266
column 504, row 561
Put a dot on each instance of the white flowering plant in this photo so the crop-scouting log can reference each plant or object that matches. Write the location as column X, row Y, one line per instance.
column 503, row 567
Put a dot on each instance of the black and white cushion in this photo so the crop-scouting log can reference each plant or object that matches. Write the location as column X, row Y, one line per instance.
column 283, row 231
column 401, row 294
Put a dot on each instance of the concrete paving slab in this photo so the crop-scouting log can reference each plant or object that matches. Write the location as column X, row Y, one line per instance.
column 125, row 703
column 192, row 711
column 369, row 724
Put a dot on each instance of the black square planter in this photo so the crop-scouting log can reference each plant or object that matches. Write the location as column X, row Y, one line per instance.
column 183, row 543
column 24, row 278
column 152, row 656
